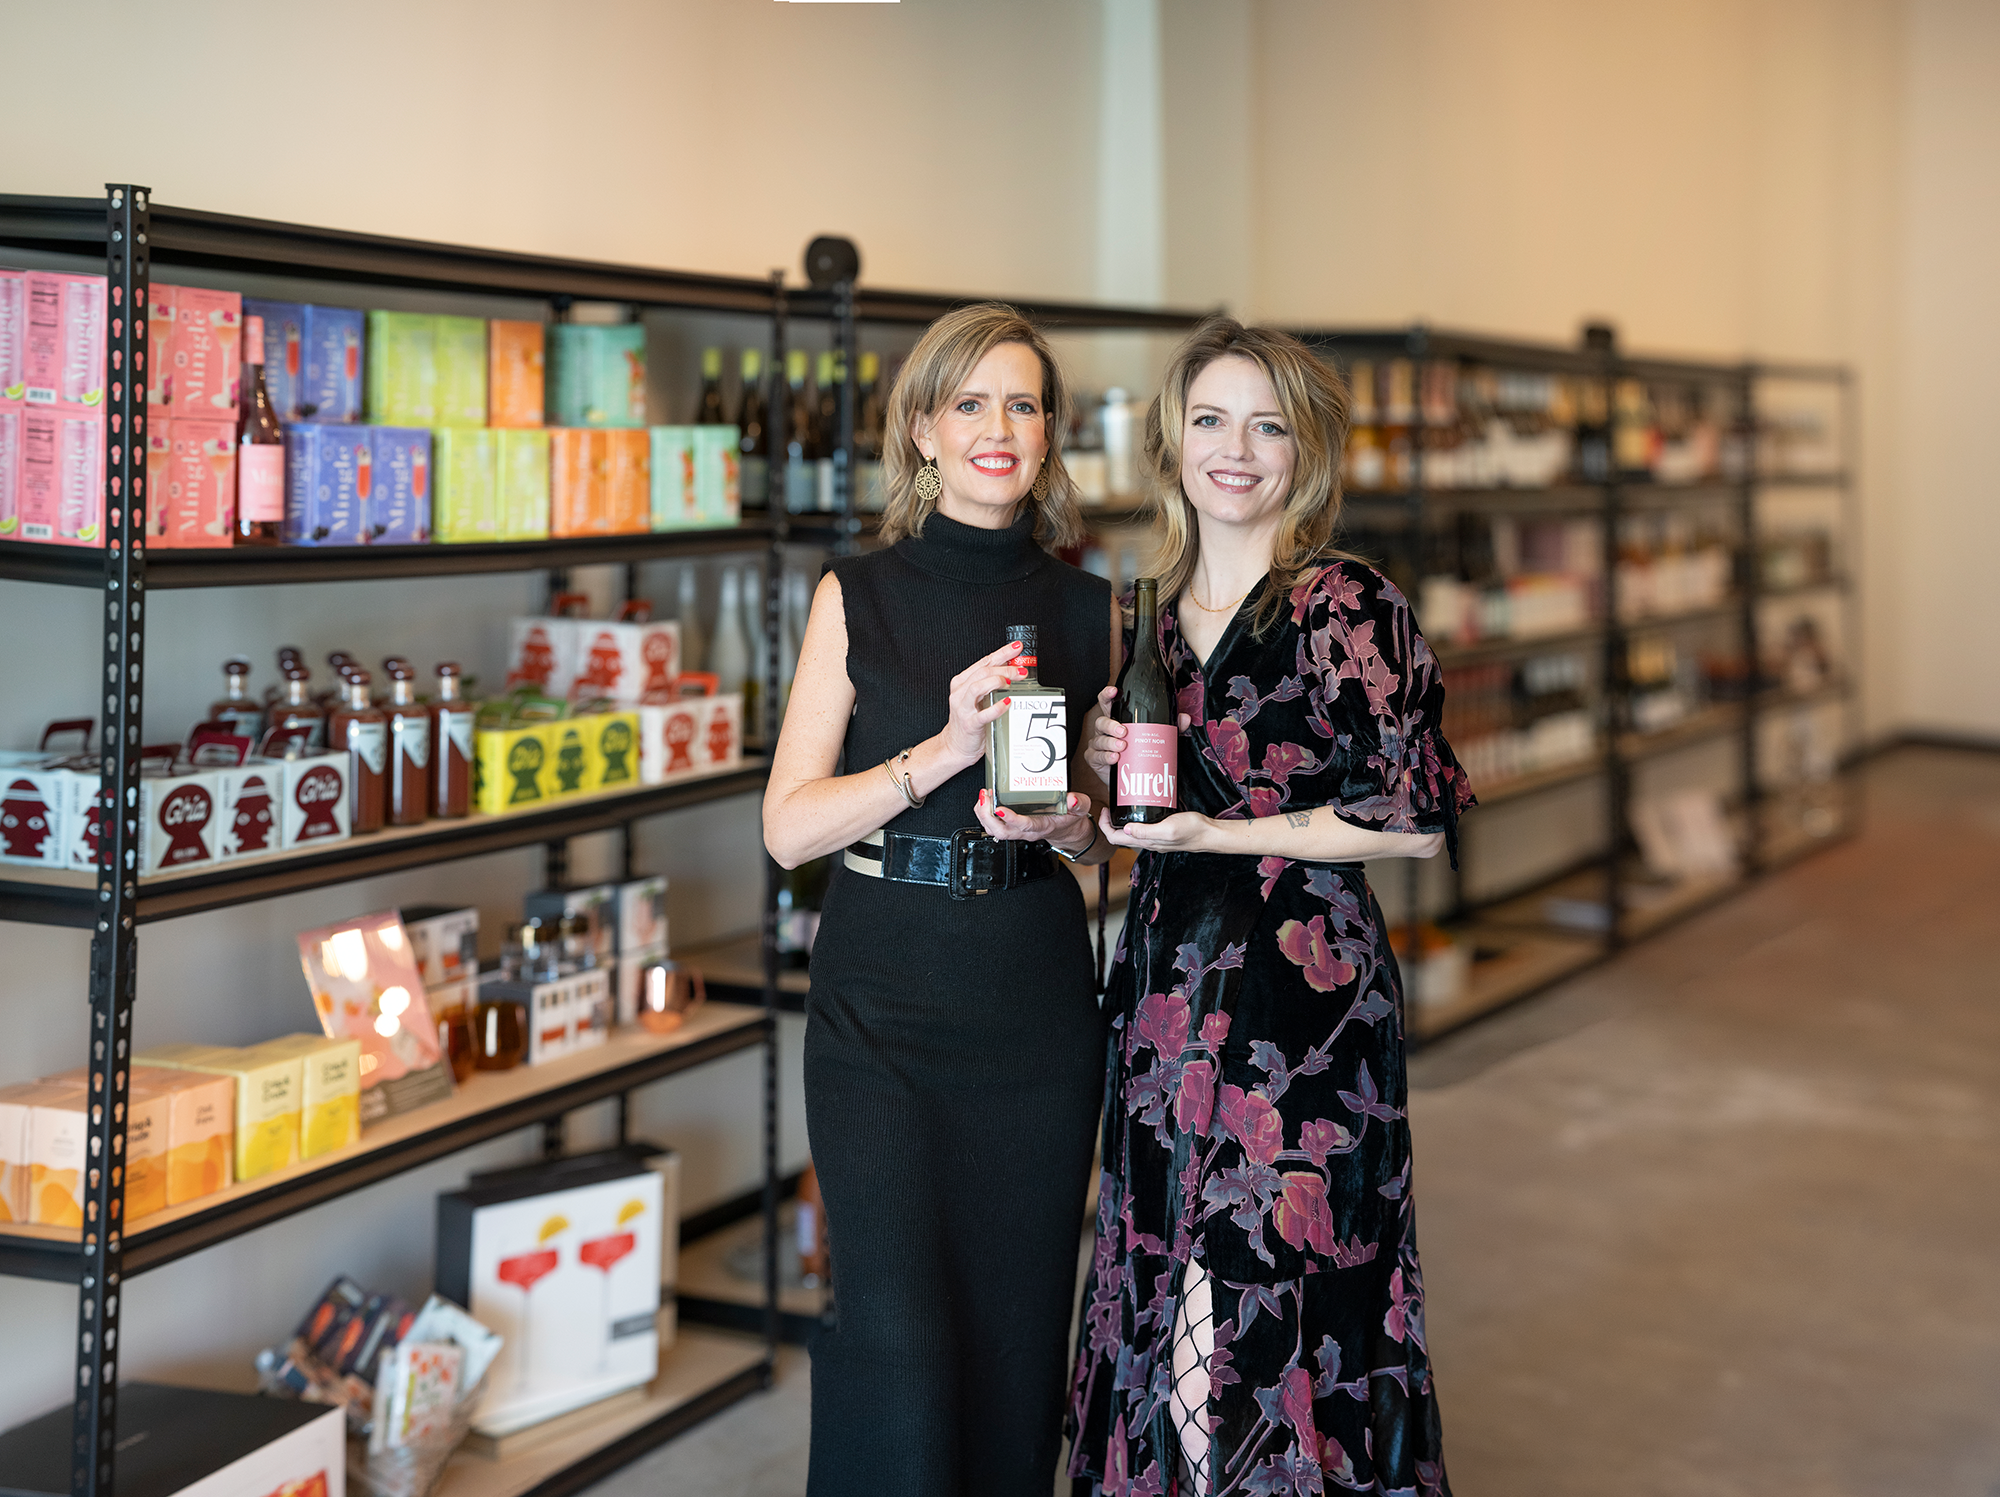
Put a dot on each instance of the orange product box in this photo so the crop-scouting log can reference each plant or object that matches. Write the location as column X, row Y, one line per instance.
column 205, row 353
column 17, row 1107
column 197, row 504
column 58, row 1145
column 148, row 1126
column 514, row 373
column 200, row 1129
column 579, row 481
column 629, row 469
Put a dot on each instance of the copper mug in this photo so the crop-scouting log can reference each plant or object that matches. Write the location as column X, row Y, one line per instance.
column 667, row 991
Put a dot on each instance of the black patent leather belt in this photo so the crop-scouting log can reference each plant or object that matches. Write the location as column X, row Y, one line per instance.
column 967, row 863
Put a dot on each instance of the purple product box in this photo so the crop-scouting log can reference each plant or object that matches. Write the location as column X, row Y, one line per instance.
column 284, row 352
column 397, row 507
column 330, row 384
column 327, row 473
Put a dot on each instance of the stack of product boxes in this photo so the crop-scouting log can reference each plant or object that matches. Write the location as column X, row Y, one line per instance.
column 192, row 391
column 199, row 1118
column 445, row 944
column 52, row 407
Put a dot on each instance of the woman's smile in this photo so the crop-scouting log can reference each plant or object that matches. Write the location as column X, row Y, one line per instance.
column 998, row 463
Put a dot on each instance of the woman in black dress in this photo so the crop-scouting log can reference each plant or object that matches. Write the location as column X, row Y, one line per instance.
column 1254, row 1321
column 953, row 1064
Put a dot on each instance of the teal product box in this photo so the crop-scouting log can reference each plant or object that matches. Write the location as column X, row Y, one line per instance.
column 327, row 470
column 673, row 477
column 460, row 345
column 330, row 386
column 402, row 369
column 464, row 483
column 396, row 508
column 284, row 353
column 717, row 492
column 597, row 375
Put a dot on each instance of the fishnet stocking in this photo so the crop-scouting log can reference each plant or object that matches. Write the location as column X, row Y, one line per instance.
column 1193, row 1345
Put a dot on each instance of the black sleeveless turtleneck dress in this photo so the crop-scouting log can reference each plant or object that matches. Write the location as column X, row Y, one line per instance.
column 953, row 1062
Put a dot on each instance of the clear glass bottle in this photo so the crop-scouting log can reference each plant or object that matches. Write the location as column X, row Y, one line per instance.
column 694, row 640
column 729, row 658
column 1027, row 746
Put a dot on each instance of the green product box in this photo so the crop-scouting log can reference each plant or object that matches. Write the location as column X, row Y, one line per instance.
column 461, row 371
column 464, row 485
column 402, row 369
column 521, row 459
column 717, row 498
column 597, row 375
column 673, row 478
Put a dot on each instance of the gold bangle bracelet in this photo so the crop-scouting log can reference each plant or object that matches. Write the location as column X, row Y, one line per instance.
column 902, row 781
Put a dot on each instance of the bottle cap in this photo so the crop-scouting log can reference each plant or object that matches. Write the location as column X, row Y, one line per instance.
column 753, row 363
column 448, row 668
column 236, row 665
column 396, row 668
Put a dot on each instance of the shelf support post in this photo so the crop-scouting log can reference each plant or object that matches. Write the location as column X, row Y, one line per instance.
column 781, row 529
column 114, row 942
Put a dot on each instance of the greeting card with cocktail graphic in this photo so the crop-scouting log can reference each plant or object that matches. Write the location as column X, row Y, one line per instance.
column 570, row 1279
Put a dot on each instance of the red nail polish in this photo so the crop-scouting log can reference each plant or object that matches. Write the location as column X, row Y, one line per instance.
column 1006, row 701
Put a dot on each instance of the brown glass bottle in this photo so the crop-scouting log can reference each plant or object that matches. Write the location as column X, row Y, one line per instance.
column 451, row 746
column 296, row 708
column 362, row 728
column 409, row 746
column 245, row 717
column 338, row 664
column 260, row 451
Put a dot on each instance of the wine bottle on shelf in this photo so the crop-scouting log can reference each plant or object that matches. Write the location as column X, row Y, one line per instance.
column 409, row 793
column 1027, row 746
column 708, row 408
column 452, row 718
column 802, row 438
column 868, row 424
column 1146, row 773
column 362, row 728
column 832, row 374
column 694, row 640
column 729, row 660
column 792, row 625
column 753, row 435
column 245, row 717
column 260, row 451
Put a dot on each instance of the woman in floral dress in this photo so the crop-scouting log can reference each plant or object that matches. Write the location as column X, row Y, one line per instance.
column 1254, row 1318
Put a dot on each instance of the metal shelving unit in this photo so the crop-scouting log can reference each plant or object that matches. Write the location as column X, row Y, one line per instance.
column 1604, row 881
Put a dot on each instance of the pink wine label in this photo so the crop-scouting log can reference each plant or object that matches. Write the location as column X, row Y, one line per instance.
column 1146, row 768
column 260, row 482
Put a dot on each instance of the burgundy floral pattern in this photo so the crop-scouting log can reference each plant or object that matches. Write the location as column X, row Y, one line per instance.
column 1254, row 1111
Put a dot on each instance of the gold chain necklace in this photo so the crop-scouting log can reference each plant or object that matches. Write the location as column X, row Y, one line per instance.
column 1195, row 598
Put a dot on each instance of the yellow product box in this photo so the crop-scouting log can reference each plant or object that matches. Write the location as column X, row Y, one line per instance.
column 611, row 745
column 58, row 1145
column 569, row 756
column 330, row 1110
column 201, row 1129
column 516, row 767
column 147, row 1109
column 17, row 1105
column 268, row 1089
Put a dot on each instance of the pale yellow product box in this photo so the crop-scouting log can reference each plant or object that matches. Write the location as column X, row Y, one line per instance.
column 58, row 1145
column 268, row 1095
column 146, row 1124
column 330, row 1098
column 17, row 1105
column 201, row 1129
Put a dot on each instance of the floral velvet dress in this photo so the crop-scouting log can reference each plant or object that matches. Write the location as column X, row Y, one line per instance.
column 1254, row 1114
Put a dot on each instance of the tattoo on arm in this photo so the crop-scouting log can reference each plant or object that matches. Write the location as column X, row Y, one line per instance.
column 1299, row 818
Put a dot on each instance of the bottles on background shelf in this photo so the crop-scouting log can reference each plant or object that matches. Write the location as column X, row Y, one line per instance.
column 708, row 405
column 452, row 723
column 362, row 729
column 1503, row 577
column 694, row 639
column 1522, row 718
column 409, row 790
column 753, row 435
column 260, row 451
column 802, row 437
column 729, row 657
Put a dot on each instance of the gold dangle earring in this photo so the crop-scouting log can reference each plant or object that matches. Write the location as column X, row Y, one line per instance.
column 1043, row 482
column 929, row 484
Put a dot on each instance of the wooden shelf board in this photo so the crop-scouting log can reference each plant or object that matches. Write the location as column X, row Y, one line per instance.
column 704, row 1273
column 1531, row 962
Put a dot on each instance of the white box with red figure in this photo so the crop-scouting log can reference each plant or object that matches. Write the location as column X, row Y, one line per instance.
column 314, row 809
column 249, row 809
column 668, row 738
column 721, row 742
column 34, row 807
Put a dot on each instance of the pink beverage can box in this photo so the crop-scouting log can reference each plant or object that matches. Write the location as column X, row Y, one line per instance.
column 284, row 353
column 61, row 487
column 330, row 384
column 397, row 508
column 159, row 345
column 10, row 470
column 205, row 353
column 13, row 334
column 329, row 474
column 159, row 478
column 197, row 504
column 626, row 662
column 62, row 358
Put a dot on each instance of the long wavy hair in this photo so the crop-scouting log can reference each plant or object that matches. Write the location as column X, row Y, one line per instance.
column 1313, row 399
column 942, row 360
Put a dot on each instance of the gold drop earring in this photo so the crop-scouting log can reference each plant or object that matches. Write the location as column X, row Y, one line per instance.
column 929, row 483
column 1043, row 482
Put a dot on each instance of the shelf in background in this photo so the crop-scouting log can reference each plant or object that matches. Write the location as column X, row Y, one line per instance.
column 1837, row 583
column 711, row 1293
column 1515, row 787
column 1696, row 727
column 734, row 969
column 1521, row 963
column 1643, row 493
column 265, row 566
column 487, row 1106
column 1514, row 647
column 1729, row 609
column 1558, row 499
column 1832, row 480
column 1778, row 698
column 53, row 897
column 702, row 1372
column 1573, row 904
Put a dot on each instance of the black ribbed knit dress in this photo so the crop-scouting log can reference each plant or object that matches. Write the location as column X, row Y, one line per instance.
column 953, row 1062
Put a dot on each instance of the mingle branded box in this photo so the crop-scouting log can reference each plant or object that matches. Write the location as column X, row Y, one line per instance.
column 269, row 1089
column 717, row 488
column 330, row 1090
column 396, row 509
column 197, row 504
column 402, row 368
column 597, row 374
column 284, row 353
column 673, row 493
column 328, row 472
column 60, row 491
column 515, row 374
column 205, row 353
column 62, row 344
column 159, row 343
column 330, row 380
column 464, row 481
column 579, row 482
column 461, row 371
column 628, row 502
column 521, row 464
column 10, row 467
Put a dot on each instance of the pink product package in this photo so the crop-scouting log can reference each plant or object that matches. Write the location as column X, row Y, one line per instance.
column 160, row 344
column 10, row 470
column 61, row 488
column 13, row 334
column 62, row 354
column 205, row 354
column 196, row 506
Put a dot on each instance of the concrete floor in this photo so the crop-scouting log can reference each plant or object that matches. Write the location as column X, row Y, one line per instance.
column 1721, row 1217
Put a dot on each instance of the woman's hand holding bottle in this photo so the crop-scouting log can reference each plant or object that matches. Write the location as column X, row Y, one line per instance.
column 964, row 735
column 1072, row 829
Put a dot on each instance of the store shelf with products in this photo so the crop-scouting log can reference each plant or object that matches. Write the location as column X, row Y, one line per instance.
column 1713, row 721
column 1505, row 965
column 486, row 1106
column 57, row 897
column 720, row 1281
column 1516, row 646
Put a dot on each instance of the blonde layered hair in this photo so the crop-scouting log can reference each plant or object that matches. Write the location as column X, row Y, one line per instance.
column 940, row 363
column 1313, row 400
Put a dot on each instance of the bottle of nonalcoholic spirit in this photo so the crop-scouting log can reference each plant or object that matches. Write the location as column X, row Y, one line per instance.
column 1027, row 746
column 452, row 719
column 409, row 746
column 245, row 717
column 296, row 708
column 362, row 728
column 1145, row 774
